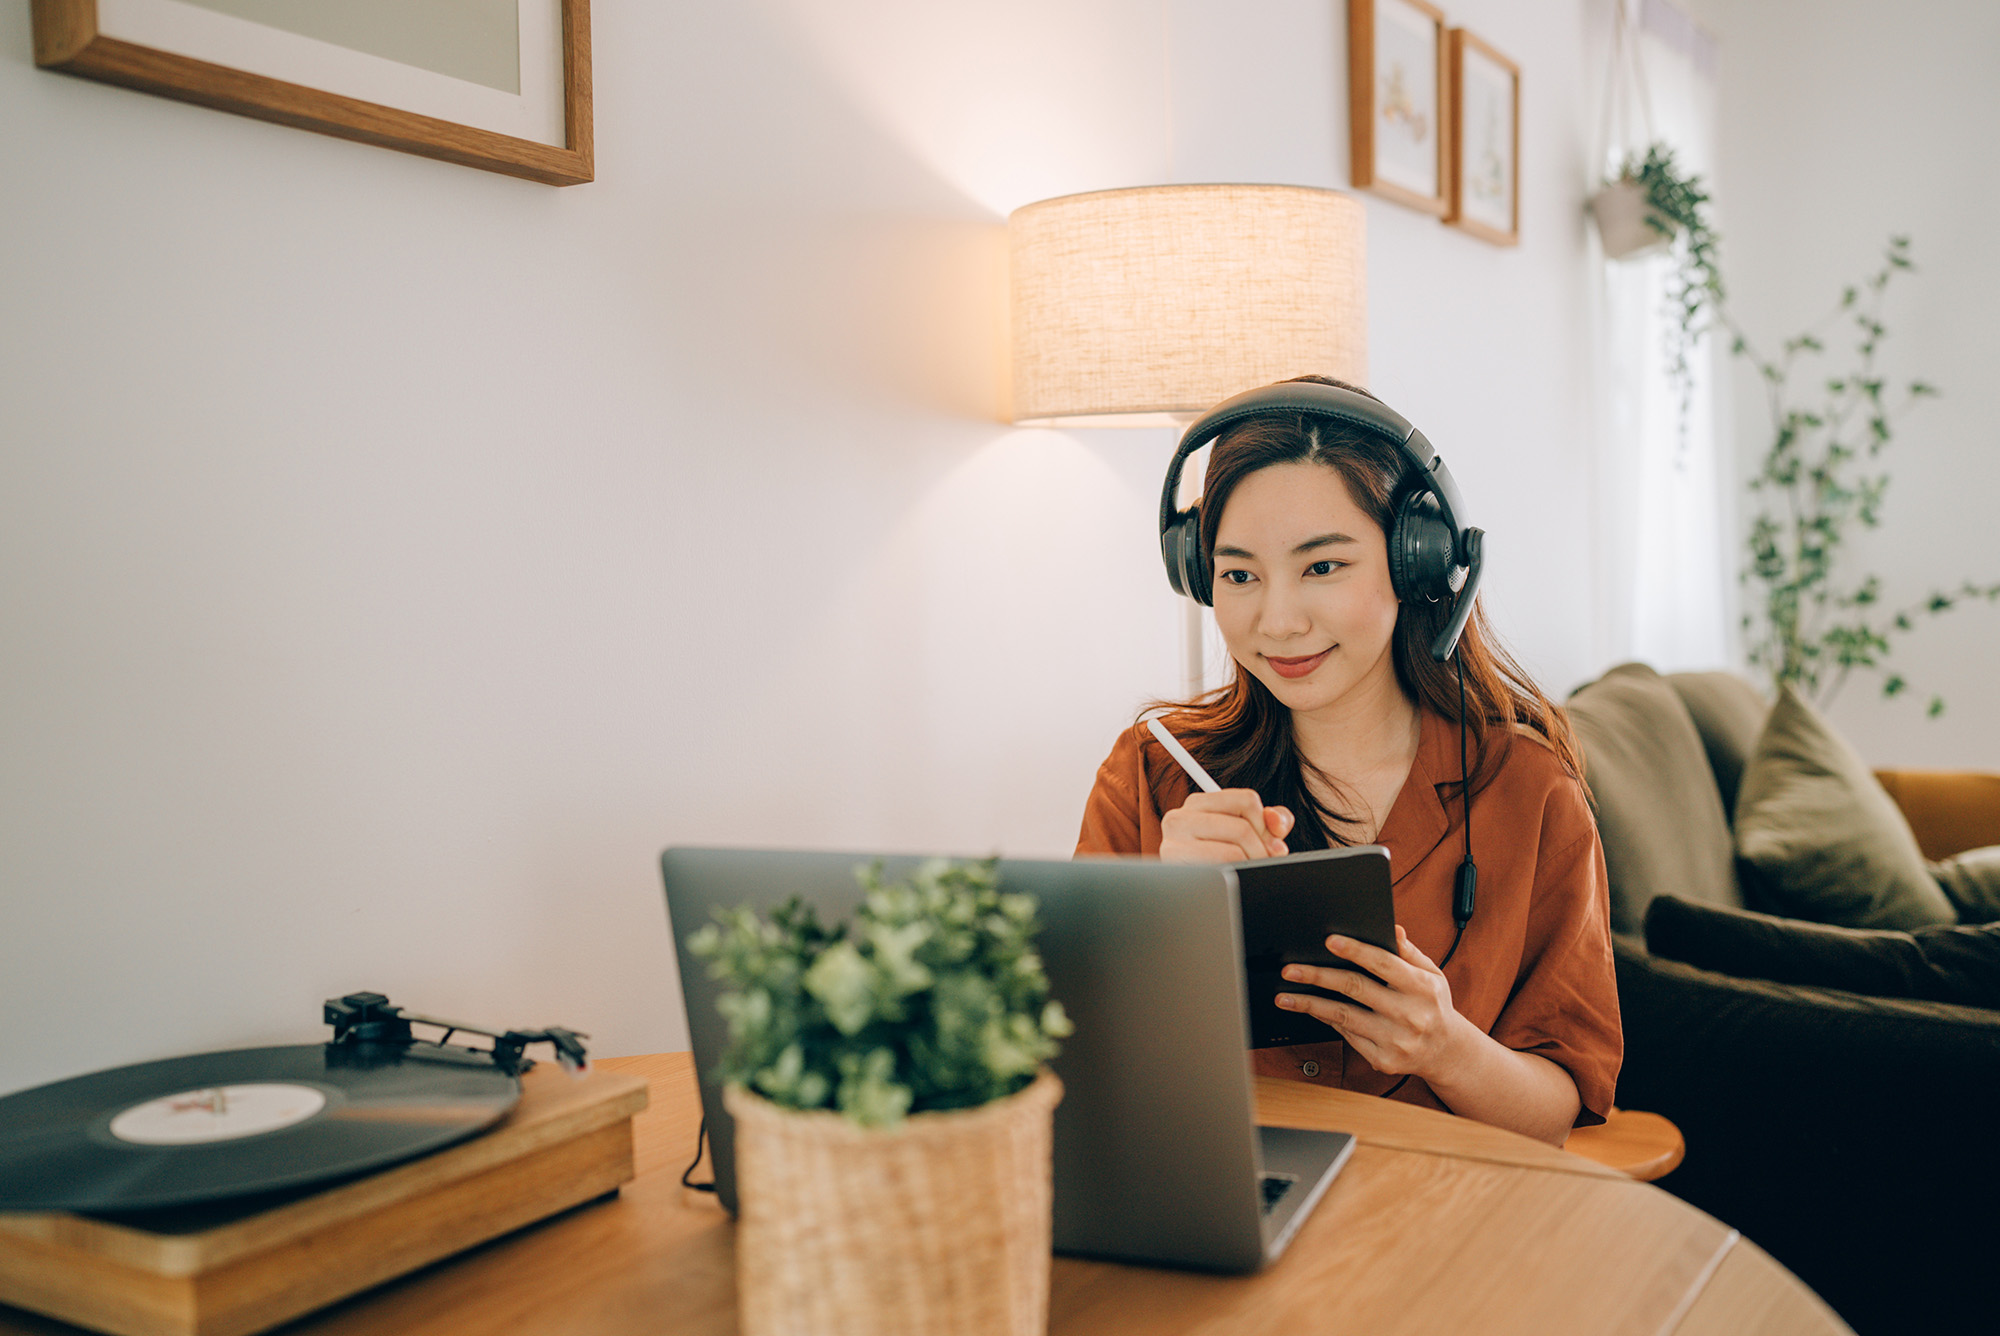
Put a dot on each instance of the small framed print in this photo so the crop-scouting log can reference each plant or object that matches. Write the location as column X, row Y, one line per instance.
column 1485, row 171
column 1396, row 101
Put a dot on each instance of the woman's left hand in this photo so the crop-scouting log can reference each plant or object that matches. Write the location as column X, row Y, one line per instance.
column 1405, row 1023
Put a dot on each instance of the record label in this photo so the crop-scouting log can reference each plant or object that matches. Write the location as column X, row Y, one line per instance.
column 219, row 1113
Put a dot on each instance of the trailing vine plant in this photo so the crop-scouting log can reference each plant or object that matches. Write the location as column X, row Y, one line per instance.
column 1820, row 475
column 1678, row 211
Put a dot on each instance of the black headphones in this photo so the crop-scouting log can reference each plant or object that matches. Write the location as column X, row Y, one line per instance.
column 1432, row 555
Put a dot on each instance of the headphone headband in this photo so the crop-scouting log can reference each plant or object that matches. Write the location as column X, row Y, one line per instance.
column 1423, row 473
column 1422, row 464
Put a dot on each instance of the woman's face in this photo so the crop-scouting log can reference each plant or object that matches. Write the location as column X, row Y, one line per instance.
column 1302, row 592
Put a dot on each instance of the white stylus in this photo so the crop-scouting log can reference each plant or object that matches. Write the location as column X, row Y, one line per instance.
column 1180, row 753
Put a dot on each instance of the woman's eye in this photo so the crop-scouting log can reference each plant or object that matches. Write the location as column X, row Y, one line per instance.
column 1236, row 577
column 1324, row 567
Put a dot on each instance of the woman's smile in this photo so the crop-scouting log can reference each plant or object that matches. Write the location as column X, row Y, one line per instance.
column 1299, row 667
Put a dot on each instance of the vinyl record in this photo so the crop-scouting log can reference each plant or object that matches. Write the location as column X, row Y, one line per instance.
column 216, row 1126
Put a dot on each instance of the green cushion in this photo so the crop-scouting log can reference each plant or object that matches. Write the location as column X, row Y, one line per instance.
column 1729, row 714
column 1661, row 820
column 1972, row 881
column 1827, row 839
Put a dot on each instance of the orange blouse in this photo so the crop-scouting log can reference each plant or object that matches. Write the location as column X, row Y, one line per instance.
column 1534, row 970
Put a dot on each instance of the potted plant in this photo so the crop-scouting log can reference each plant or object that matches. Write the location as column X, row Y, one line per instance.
column 1654, row 206
column 1629, row 225
column 1818, row 479
column 893, row 1111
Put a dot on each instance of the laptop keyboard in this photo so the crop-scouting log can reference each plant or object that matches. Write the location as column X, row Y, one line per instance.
column 1275, row 1187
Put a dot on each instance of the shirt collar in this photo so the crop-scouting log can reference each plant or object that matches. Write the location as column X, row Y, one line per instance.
column 1418, row 820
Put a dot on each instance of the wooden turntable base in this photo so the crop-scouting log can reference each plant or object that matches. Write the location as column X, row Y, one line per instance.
column 224, row 1272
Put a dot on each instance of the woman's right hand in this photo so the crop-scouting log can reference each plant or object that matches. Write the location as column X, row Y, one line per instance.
column 1227, row 827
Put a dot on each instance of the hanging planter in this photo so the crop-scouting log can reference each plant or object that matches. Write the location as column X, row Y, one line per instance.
column 1628, row 224
column 1650, row 204
column 1649, row 207
column 1631, row 221
column 1654, row 206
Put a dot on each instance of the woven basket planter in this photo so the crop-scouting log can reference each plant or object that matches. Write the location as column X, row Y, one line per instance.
column 939, row 1225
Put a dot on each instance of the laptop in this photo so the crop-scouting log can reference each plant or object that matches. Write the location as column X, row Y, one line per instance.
column 1158, row 1158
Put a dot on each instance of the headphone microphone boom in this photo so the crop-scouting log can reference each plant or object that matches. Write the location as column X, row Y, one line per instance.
column 1472, row 542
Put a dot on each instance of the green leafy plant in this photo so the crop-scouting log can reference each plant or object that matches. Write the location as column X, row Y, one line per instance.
column 933, row 997
column 1819, row 478
column 1678, row 210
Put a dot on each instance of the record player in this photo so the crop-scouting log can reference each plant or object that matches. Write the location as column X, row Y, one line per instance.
column 221, row 1194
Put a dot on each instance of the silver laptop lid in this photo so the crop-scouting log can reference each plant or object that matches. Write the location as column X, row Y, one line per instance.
column 1156, row 1151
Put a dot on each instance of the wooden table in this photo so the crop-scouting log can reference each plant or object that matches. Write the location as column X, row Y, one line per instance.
column 1437, row 1225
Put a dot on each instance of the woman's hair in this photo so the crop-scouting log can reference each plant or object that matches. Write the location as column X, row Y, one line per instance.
column 1242, row 734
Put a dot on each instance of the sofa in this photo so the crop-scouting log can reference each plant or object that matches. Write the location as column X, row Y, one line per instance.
column 1851, row 1131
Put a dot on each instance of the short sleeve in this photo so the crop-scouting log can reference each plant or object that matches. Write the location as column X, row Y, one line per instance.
column 1111, row 820
column 1134, row 785
column 1564, row 1006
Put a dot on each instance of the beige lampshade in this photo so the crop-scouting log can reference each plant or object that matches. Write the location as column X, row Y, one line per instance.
column 1144, row 307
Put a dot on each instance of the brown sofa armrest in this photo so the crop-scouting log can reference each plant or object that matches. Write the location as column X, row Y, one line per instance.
column 1950, row 811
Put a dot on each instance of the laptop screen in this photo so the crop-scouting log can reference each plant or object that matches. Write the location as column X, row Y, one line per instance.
column 1155, row 1144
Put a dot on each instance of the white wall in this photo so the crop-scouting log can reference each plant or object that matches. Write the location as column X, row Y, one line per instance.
column 1844, row 122
column 395, row 556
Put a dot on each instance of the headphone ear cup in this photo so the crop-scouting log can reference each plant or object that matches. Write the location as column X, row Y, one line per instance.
column 1180, row 546
column 1421, row 551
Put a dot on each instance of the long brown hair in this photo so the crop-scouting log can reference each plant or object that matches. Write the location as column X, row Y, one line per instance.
column 1242, row 734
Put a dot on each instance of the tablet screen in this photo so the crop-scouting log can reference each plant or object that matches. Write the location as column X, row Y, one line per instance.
column 1290, row 907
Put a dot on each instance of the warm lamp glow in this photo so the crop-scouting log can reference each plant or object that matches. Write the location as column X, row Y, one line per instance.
column 1144, row 307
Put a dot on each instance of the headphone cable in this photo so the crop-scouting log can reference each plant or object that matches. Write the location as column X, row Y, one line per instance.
column 1468, row 873
column 687, row 1174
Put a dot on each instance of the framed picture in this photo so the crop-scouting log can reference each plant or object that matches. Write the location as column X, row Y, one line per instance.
column 1485, row 174
column 1396, row 100
column 498, row 84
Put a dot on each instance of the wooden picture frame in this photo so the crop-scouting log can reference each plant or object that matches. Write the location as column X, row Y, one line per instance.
column 1396, row 102
column 205, row 52
column 1485, row 171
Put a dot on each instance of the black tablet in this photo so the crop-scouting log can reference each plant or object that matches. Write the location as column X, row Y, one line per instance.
column 1290, row 907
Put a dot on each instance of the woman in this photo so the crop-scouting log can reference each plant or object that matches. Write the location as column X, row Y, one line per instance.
column 1341, row 728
